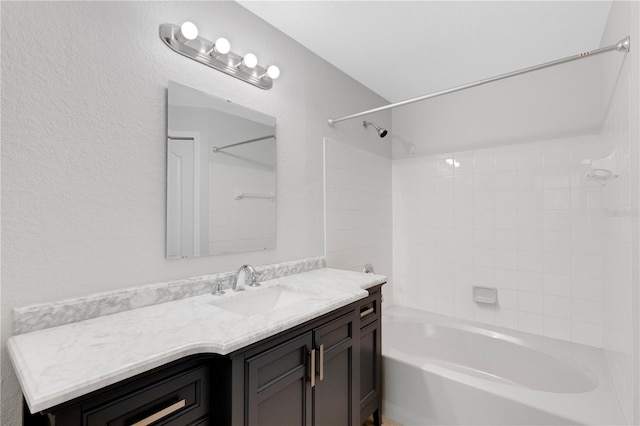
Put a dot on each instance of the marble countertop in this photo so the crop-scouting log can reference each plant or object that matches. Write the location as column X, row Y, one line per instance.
column 58, row 364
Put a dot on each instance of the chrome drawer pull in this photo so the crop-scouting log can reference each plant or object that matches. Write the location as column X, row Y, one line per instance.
column 162, row 413
column 366, row 312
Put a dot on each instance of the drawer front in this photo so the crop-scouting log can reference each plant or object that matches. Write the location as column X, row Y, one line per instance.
column 369, row 310
column 178, row 400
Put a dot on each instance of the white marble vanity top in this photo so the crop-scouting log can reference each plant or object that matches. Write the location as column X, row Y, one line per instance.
column 58, row 364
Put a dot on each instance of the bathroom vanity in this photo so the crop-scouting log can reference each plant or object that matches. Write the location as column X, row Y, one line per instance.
column 321, row 371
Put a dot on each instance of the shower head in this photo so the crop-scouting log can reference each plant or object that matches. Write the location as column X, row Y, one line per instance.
column 381, row 132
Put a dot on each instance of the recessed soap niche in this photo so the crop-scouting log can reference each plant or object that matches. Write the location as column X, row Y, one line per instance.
column 486, row 295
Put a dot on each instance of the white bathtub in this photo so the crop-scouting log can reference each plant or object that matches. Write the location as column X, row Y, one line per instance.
column 442, row 371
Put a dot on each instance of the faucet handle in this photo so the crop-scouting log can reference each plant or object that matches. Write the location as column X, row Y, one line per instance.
column 218, row 288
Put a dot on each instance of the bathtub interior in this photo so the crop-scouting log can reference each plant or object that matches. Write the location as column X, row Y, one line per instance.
column 492, row 356
column 442, row 371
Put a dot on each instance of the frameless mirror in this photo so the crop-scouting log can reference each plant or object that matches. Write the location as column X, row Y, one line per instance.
column 221, row 176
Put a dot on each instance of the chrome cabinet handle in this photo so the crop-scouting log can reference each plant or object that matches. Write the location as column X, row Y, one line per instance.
column 312, row 369
column 321, row 362
column 366, row 312
column 161, row 414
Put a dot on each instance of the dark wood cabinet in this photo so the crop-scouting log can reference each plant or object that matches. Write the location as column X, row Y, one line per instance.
column 370, row 357
column 175, row 395
column 308, row 380
column 336, row 398
column 178, row 400
column 325, row 372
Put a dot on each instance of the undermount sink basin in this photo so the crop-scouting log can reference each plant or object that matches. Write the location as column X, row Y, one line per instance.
column 261, row 301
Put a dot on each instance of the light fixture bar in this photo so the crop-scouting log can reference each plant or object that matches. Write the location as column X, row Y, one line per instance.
column 199, row 48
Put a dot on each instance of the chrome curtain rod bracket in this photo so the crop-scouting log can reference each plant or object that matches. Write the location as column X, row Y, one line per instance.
column 229, row 63
column 621, row 46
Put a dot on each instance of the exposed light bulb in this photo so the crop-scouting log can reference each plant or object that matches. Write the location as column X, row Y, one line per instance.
column 273, row 72
column 222, row 46
column 250, row 60
column 189, row 30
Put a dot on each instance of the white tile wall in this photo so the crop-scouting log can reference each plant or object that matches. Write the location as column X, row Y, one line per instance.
column 358, row 209
column 619, row 201
column 521, row 218
column 240, row 225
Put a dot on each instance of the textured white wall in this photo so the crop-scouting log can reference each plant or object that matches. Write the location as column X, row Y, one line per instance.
column 84, row 135
column 620, row 222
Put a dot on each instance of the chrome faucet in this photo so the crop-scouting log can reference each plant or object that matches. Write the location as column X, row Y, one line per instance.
column 250, row 270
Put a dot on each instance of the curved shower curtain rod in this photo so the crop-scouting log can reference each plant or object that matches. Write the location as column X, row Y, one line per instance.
column 621, row 46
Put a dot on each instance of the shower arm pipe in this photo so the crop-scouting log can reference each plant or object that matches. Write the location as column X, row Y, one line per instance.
column 220, row 148
column 621, row 46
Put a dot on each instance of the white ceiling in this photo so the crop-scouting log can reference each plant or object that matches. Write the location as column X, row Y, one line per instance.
column 403, row 49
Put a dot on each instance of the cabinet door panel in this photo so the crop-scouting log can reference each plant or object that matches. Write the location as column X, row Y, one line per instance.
column 332, row 403
column 369, row 369
column 285, row 407
column 335, row 334
column 335, row 395
column 278, row 392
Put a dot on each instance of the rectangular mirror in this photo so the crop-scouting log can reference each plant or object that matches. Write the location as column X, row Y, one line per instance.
column 221, row 176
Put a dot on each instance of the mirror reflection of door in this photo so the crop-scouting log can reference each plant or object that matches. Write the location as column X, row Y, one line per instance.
column 183, row 196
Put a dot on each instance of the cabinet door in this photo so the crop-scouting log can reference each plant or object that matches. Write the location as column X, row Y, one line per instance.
column 278, row 389
column 336, row 401
column 370, row 372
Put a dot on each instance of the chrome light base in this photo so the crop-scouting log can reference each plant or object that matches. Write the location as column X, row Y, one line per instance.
column 198, row 49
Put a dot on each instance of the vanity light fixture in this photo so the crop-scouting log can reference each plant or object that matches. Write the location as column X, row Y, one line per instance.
column 272, row 71
column 188, row 31
column 249, row 61
column 184, row 39
column 220, row 47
